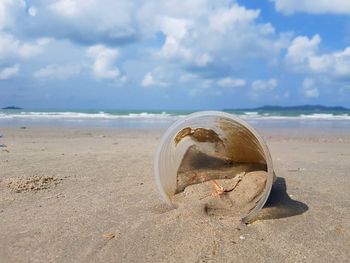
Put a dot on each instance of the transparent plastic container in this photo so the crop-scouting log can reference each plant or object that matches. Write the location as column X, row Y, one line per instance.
column 214, row 132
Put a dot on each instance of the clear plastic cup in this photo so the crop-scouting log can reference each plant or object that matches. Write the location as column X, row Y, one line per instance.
column 210, row 131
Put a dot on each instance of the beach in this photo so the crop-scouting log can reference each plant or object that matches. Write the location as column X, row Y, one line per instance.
column 75, row 193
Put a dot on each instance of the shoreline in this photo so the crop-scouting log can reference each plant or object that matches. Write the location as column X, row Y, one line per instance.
column 273, row 129
column 166, row 122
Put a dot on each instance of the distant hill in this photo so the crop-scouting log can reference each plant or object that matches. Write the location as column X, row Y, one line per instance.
column 12, row 108
column 312, row 108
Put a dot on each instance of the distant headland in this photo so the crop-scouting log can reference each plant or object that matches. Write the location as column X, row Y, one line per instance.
column 309, row 108
column 12, row 108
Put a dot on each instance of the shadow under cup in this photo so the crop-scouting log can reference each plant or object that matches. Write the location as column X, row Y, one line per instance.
column 214, row 147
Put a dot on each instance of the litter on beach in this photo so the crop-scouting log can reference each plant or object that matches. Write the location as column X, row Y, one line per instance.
column 217, row 161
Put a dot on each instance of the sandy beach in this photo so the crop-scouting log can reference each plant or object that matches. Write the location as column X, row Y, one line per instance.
column 70, row 194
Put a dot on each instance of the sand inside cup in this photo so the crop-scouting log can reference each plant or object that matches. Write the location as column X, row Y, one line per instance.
column 223, row 171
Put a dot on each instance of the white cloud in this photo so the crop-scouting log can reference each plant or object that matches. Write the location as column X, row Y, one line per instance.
column 103, row 62
column 8, row 11
column 172, row 48
column 309, row 89
column 311, row 93
column 148, row 80
column 87, row 8
column 9, row 72
column 214, row 34
column 308, row 83
column 225, row 19
column 54, row 71
column 174, row 27
column 302, row 48
column 43, row 41
column 12, row 47
column 154, row 79
column 234, row 32
column 190, row 39
column 175, row 30
column 207, row 87
column 313, row 6
column 264, row 85
column 262, row 88
column 68, row 7
column 90, row 21
column 32, row 11
column 199, row 37
column 203, row 60
column 229, row 82
column 303, row 55
column 188, row 77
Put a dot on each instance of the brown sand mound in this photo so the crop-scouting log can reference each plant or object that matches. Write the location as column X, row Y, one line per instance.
column 32, row 183
column 197, row 167
column 240, row 196
column 217, row 184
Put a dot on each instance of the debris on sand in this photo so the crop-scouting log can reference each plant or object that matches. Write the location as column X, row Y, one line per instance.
column 32, row 183
column 109, row 236
column 3, row 145
column 216, row 164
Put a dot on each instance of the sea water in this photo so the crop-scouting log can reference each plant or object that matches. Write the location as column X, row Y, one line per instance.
column 164, row 118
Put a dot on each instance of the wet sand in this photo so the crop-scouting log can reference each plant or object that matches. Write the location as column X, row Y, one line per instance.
column 89, row 195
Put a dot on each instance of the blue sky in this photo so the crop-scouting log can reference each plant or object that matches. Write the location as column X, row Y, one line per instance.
column 190, row 54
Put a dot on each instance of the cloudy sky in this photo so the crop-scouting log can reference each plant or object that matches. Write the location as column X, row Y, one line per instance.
column 189, row 54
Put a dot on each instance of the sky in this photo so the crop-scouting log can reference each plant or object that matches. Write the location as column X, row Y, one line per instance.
column 168, row 54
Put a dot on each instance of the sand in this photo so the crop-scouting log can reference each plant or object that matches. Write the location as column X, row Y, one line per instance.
column 240, row 196
column 31, row 183
column 198, row 166
column 218, row 184
column 106, row 207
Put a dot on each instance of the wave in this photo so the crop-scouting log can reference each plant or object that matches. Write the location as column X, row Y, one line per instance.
column 84, row 115
column 159, row 116
column 314, row 116
column 251, row 113
column 324, row 116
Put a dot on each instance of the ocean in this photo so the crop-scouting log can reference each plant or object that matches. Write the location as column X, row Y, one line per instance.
column 145, row 119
